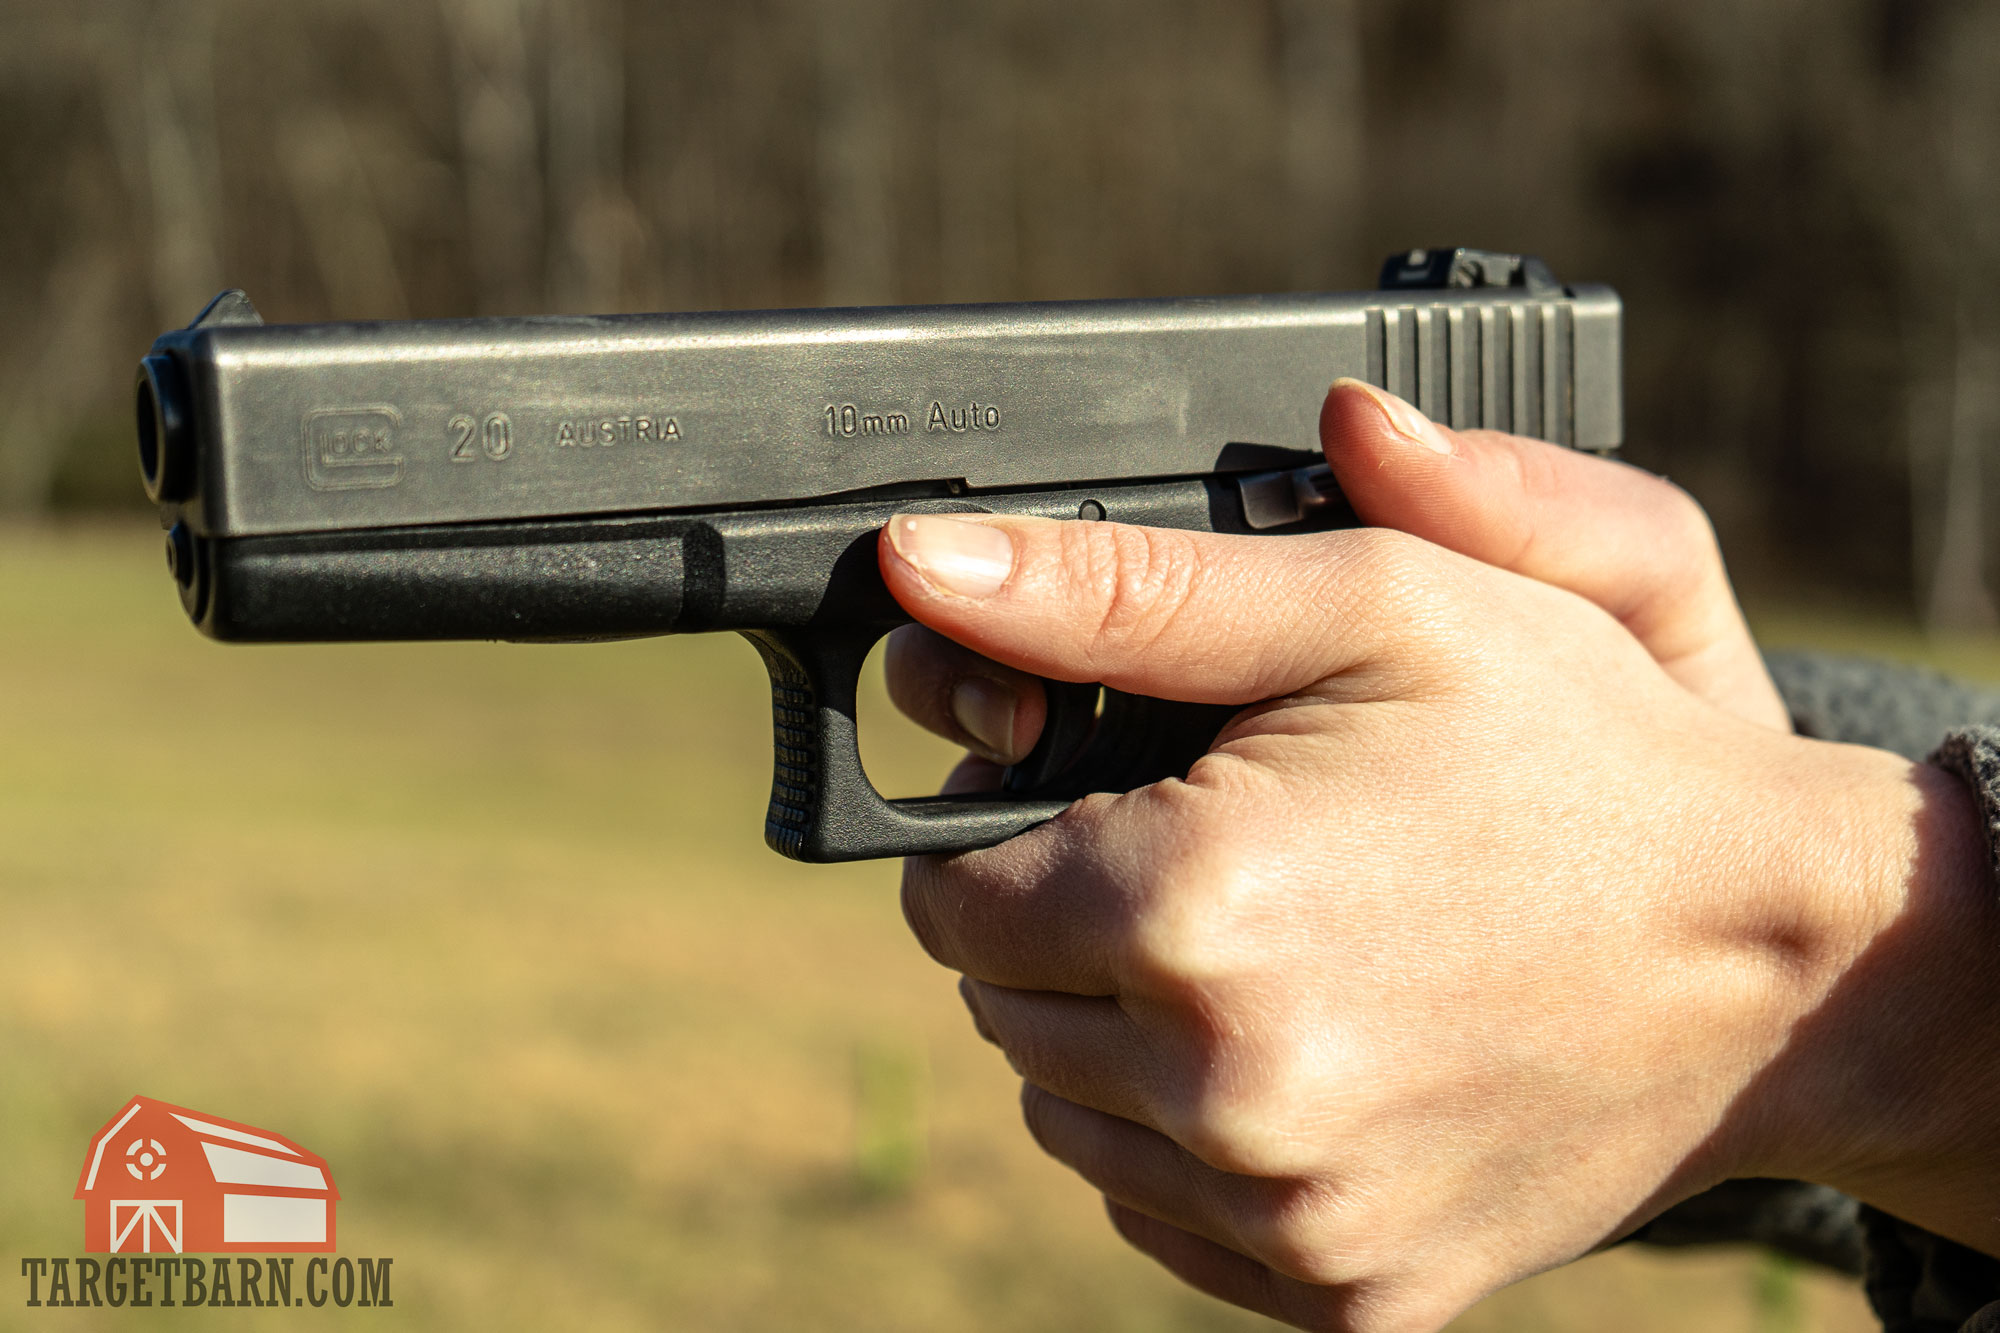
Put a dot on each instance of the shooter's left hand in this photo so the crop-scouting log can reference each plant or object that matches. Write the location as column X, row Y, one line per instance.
column 1476, row 939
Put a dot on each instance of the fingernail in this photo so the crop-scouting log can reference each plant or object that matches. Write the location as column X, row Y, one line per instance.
column 985, row 709
column 968, row 559
column 1404, row 419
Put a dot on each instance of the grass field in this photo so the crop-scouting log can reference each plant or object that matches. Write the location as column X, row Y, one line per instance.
column 494, row 930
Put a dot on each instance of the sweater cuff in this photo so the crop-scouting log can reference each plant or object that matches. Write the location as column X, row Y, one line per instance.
column 1973, row 753
column 1918, row 1282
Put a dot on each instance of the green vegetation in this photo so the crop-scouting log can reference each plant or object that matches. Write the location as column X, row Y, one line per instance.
column 493, row 928
column 1777, row 1295
column 891, row 1087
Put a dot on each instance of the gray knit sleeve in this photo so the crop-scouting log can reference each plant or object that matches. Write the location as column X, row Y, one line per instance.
column 1973, row 754
column 1904, row 709
column 1916, row 1282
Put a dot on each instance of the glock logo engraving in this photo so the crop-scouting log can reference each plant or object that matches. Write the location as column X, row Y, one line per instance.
column 351, row 449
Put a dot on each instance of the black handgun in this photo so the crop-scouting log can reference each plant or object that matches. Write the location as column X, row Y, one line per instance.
column 570, row 478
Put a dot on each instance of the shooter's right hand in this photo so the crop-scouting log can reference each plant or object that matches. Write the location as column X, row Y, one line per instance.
column 1635, row 544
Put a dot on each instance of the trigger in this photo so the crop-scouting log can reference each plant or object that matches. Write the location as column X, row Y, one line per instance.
column 1072, row 716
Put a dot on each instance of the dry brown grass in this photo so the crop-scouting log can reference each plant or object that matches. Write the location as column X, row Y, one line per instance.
column 493, row 928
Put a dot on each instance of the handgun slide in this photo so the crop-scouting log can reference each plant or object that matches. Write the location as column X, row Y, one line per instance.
column 565, row 478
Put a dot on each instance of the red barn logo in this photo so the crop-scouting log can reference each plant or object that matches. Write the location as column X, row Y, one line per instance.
column 163, row 1179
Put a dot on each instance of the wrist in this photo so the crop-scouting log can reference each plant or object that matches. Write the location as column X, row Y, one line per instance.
column 1886, row 1081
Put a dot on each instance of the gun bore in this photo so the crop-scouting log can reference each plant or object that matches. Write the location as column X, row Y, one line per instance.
column 164, row 462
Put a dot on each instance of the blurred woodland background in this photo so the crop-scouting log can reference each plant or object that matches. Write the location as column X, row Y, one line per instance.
column 1798, row 199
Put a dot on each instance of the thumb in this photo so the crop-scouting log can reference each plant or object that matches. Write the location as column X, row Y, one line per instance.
column 1194, row 616
column 1635, row 544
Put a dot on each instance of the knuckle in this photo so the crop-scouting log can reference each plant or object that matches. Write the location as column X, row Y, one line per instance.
column 932, row 906
column 1026, row 1055
column 1043, row 1112
column 1261, row 1109
column 1181, row 938
column 1035, row 1106
column 1357, row 1308
column 969, row 910
column 1196, row 918
column 1242, row 1136
column 1136, row 580
column 1416, row 591
column 919, row 907
column 1383, row 559
column 1690, row 560
column 1684, row 524
column 1299, row 1236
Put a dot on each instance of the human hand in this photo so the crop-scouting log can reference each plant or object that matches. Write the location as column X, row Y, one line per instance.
column 1482, row 938
column 1632, row 543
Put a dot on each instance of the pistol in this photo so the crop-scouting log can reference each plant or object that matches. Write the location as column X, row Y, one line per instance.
column 586, row 478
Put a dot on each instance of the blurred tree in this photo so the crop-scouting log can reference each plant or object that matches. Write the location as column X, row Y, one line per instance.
column 1797, row 197
column 1323, row 148
column 591, row 216
column 344, row 225
column 977, row 155
column 493, row 44
column 854, row 46
column 1948, row 220
column 169, row 111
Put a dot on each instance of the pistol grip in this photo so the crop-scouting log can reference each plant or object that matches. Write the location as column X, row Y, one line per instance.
column 823, row 807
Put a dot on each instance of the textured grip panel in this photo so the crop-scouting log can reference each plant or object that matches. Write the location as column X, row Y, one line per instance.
column 797, row 777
